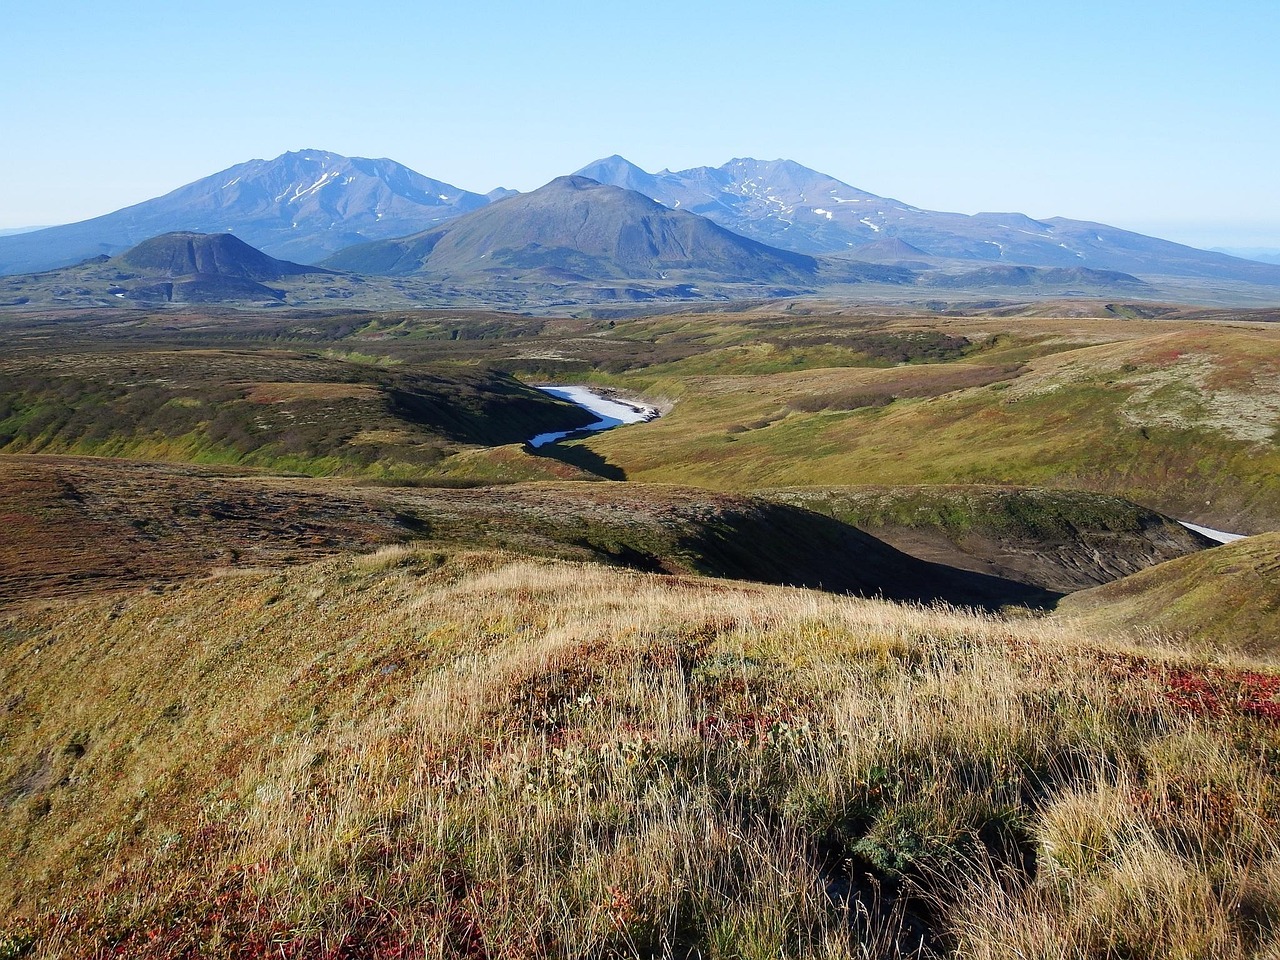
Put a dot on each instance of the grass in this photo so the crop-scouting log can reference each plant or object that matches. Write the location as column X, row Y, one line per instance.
column 405, row 721
column 1169, row 412
column 431, row 753
column 78, row 526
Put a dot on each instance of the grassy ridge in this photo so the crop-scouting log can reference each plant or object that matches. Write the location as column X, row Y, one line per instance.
column 422, row 753
column 303, row 413
column 77, row 526
column 1225, row 599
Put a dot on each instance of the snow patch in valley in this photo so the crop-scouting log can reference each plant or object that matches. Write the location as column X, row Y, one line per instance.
column 612, row 413
column 1212, row 534
column 299, row 191
column 873, row 226
column 231, row 183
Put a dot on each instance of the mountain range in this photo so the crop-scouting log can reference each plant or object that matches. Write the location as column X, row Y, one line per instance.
column 787, row 205
column 767, row 221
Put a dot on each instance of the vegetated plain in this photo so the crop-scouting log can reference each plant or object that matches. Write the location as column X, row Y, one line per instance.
column 303, row 653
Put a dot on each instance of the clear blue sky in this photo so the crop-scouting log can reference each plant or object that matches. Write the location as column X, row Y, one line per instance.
column 1158, row 116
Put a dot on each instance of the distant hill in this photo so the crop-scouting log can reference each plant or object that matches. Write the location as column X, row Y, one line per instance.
column 1261, row 254
column 785, row 204
column 183, row 254
column 1008, row 275
column 891, row 250
column 180, row 267
column 577, row 229
column 197, row 267
column 301, row 206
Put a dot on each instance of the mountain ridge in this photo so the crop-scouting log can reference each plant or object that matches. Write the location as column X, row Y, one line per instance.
column 578, row 228
column 302, row 206
column 307, row 205
column 788, row 205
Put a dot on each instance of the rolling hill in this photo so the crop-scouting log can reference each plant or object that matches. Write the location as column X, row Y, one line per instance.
column 283, row 696
column 1222, row 600
column 291, row 411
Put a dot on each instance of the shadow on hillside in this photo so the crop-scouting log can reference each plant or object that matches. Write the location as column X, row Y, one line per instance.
column 797, row 547
column 582, row 458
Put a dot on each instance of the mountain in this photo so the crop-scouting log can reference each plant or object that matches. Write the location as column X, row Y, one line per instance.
column 576, row 229
column 788, row 205
column 301, row 206
column 1261, row 254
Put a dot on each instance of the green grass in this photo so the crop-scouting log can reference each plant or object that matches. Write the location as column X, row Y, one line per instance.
column 282, row 411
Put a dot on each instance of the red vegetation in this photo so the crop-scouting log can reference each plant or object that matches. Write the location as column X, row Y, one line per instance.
column 1205, row 691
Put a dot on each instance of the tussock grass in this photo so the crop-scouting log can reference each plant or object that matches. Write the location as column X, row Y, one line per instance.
column 413, row 753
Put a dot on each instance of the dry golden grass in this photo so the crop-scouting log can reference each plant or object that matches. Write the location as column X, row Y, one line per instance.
column 425, row 753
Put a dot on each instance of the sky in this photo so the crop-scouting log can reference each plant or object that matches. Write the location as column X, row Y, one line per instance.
column 1161, row 117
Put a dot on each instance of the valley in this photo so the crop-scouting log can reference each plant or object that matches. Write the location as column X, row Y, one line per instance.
column 790, row 626
column 839, row 522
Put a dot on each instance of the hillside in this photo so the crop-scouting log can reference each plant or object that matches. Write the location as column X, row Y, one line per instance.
column 300, row 206
column 1223, row 600
column 305, row 653
column 425, row 752
column 1179, row 417
column 276, row 409
column 575, row 228
column 1057, row 540
column 81, row 526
